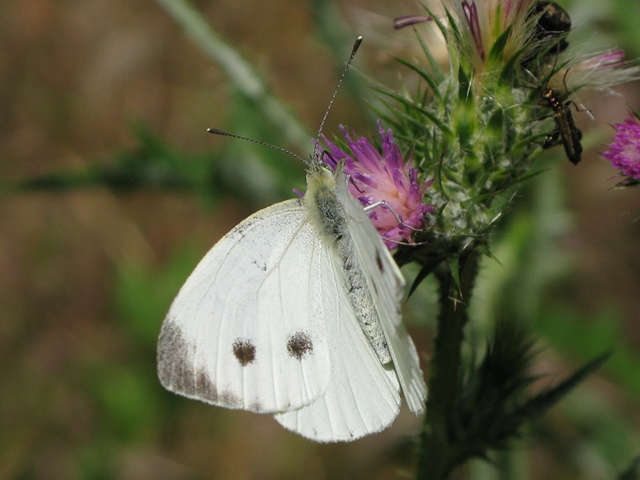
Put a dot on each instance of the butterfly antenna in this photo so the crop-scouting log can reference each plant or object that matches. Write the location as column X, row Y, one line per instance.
column 356, row 45
column 216, row 131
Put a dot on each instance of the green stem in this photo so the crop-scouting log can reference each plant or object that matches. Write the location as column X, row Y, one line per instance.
column 243, row 76
column 439, row 454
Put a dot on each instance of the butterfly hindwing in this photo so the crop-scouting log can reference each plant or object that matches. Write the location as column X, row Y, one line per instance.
column 386, row 285
column 363, row 396
column 247, row 328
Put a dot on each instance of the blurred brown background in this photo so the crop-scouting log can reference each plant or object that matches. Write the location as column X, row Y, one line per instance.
column 78, row 396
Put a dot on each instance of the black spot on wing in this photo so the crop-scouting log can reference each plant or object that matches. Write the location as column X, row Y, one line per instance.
column 244, row 351
column 299, row 345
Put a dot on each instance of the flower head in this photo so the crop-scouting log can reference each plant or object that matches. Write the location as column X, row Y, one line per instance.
column 484, row 23
column 479, row 122
column 488, row 37
column 624, row 151
column 593, row 71
column 376, row 177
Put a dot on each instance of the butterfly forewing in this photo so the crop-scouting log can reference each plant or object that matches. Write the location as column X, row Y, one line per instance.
column 386, row 284
column 247, row 328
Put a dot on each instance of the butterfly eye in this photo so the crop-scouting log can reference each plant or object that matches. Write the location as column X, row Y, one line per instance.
column 299, row 345
column 244, row 351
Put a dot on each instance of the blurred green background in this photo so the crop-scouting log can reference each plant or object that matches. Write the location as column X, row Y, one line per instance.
column 112, row 190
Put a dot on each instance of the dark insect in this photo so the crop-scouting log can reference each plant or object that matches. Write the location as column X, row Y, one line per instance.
column 549, row 32
column 566, row 131
column 553, row 21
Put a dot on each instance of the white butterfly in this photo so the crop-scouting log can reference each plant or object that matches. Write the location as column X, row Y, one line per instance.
column 296, row 312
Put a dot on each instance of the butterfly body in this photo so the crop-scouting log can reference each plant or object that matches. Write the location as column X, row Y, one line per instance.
column 296, row 312
column 329, row 218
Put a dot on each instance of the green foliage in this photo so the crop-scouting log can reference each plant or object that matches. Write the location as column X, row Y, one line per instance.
column 153, row 163
column 582, row 335
column 633, row 472
column 485, row 131
column 473, row 137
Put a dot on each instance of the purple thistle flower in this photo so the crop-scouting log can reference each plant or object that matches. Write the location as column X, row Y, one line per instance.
column 376, row 177
column 624, row 151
